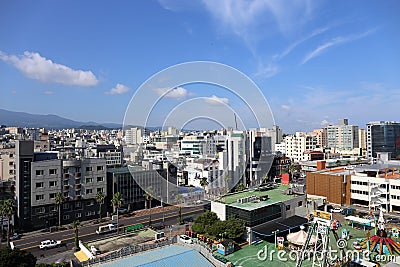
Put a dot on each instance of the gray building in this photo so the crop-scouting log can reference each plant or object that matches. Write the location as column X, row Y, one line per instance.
column 383, row 137
column 40, row 176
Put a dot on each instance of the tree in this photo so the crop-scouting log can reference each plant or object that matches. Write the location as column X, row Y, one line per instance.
column 100, row 199
column 8, row 209
column 59, row 200
column 234, row 228
column 16, row 257
column 2, row 217
column 240, row 187
column 117, row 201
column 149, row 196
column 180, row 215
column 205, row 220
column 204, row 182
column 76, row 224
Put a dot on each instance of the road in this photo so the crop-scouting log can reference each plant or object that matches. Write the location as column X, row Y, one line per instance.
column 87, row 232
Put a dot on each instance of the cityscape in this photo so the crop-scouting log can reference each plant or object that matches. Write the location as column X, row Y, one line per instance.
column 204, row 133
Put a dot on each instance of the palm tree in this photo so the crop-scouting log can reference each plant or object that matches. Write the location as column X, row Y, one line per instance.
column 76, row 224
column 117, row 201
column 204, row 182
column 8, row 209
column 100, row 199
column 149, row 195
column 2, row 217
column 59, row 200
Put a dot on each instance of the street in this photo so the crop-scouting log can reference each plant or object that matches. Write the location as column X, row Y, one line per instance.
column 31, row 241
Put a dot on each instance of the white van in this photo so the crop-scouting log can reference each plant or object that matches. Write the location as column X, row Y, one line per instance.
column 106, row 229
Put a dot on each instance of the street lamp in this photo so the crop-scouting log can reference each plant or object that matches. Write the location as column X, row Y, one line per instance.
column 275, row 232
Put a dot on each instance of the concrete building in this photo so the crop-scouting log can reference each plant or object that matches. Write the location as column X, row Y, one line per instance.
column 383, row 137
column 297, row 145
column 198, row 145
column 41, row 175
column 7, row 164
column 342, row 136
column 133, row 136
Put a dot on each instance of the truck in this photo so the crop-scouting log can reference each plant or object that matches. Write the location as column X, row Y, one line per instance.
column 106, row 229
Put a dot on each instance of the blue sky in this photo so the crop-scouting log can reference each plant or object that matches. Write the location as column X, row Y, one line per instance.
column 314, row 61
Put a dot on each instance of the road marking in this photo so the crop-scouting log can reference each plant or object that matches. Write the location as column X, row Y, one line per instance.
column 144, row 221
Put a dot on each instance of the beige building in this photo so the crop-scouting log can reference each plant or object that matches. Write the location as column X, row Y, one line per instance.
column 7, row 164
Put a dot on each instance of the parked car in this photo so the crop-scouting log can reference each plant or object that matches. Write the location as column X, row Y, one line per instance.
column 185, row 239
column 393, row 220
column 348, row 211
column 336, row 210
column 15, row 236
column 49, row 244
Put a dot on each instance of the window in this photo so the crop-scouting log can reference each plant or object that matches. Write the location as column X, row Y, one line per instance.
column 40, row 185
column 52, row 183
column 66, row 217
column 53, row 171
column 66, row 182
column 39, row 172
column 89, row 180
column 100, row 179
column 40, row 210
column 90, row 203
column 11, row 155
column 65, row 206
column 39, row 197
column 90, row 213
column 78, row 215
column 100, row 189
column 300, row 204
column 11, row 163
column 287, row 207
column 89, row 169
column 78, row 204
column 65, row 194
column 89, row 191
column 100, row 168
column 52, row 195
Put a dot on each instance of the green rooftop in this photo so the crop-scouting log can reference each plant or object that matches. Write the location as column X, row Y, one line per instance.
column 274, row 196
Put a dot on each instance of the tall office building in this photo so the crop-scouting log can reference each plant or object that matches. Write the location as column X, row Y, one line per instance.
column 383, row 137
column 342, row 136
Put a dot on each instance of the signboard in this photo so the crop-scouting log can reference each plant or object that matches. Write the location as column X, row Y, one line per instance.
column 323, row 215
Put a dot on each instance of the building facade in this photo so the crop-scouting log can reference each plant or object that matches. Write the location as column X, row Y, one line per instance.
column 383, row 137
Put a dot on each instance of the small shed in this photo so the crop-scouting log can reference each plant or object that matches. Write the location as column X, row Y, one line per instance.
column 226, row 247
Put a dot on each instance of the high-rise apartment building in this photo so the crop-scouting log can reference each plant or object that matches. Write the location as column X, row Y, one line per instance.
column 383, row 137
column 298, row 145
column 342, row 136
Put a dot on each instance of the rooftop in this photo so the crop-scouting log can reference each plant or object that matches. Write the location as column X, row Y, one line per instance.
column 274, row 196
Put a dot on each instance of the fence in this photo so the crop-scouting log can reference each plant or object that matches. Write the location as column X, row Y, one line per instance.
column 204, row 250
column 128, row 251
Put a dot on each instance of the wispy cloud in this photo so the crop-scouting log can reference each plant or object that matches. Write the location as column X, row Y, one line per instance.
column 215, row 100
column 334, row 42
column 298, row 42
column 285, row 107
column 119, row 89
column 48, row 92
column 267, row 71
column 176, row 93
column 34, row 66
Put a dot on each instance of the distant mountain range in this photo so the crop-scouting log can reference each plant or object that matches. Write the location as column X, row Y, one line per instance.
column 23, row 119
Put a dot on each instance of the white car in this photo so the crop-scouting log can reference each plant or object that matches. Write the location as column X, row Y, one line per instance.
column 185, row 239
column 336, row 210
column 49, row 244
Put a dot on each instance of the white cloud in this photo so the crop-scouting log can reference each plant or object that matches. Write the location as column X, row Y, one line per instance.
column 48, row 92
column 34, row 66
column 119, row 89
column 176, row 93
column 324, row 123
column 267, row 71
column 285, row 107
column 336, row 41
column 215, row 100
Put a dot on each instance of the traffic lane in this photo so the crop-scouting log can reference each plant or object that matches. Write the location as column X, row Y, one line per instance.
column 90, row 230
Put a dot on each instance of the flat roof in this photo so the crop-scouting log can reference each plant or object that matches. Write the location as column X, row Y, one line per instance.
column 274, row 196
column 268, row 229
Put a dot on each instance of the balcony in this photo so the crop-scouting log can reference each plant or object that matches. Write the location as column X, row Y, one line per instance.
column 78, row 197
column 78, row 186
column 77, row 175
column 65, row 175
column 66, row 187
